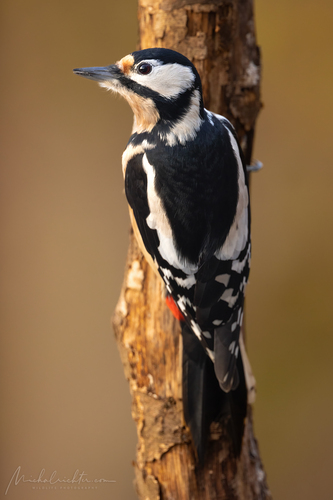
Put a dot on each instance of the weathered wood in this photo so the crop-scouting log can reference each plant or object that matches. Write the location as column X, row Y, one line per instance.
column 219, row 38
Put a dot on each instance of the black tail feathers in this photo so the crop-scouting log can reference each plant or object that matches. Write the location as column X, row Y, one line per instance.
column 203, row 399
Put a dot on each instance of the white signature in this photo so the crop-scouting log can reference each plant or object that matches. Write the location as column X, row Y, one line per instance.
column 77, row 478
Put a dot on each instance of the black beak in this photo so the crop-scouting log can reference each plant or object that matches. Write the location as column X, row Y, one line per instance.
column 99, row 74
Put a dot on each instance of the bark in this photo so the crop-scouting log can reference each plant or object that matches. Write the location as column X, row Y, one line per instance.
column 219, row 38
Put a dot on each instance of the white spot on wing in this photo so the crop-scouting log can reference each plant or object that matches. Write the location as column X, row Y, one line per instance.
column 196, row 329
column 181, row 305
column 186, row 282
column 232, row 346
column 217, row 322
column 182, row 301
column 223, row 278
column 183, row 282
column 228, row 297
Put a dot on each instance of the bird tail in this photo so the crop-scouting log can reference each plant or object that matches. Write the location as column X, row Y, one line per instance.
column 203, row 399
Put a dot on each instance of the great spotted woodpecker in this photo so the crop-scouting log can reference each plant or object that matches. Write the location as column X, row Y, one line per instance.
column 186, row 185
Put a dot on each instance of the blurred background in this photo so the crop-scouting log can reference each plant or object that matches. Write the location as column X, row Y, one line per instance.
column 65, row 403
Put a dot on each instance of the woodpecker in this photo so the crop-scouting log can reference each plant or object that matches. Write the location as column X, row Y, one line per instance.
column 187, row 190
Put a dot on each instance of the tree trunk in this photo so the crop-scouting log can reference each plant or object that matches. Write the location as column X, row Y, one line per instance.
column 219, row 38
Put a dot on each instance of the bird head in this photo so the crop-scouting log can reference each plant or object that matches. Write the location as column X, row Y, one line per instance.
column 161, row 86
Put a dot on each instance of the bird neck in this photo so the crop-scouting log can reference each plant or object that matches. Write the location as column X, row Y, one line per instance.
column 146, row 114
column 175, row 120
column 186, row 123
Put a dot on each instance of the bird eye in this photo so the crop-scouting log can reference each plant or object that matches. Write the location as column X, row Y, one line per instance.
column 144, row 69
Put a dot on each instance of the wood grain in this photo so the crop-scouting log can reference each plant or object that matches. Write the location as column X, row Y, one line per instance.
column 219, row 37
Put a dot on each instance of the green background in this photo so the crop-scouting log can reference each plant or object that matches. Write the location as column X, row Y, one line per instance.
column 65, row 404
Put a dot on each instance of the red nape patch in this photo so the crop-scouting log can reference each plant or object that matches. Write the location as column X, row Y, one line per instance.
column 174, row 308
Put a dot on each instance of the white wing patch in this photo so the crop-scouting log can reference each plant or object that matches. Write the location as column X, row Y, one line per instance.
column 158, row 220
column 238, row 234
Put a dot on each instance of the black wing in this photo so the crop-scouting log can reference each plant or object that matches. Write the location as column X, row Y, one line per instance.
column 136, row 193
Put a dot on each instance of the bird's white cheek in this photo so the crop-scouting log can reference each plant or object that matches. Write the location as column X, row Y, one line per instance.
column 168, row 80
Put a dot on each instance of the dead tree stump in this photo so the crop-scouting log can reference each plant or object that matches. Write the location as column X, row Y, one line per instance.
column 219, row 38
